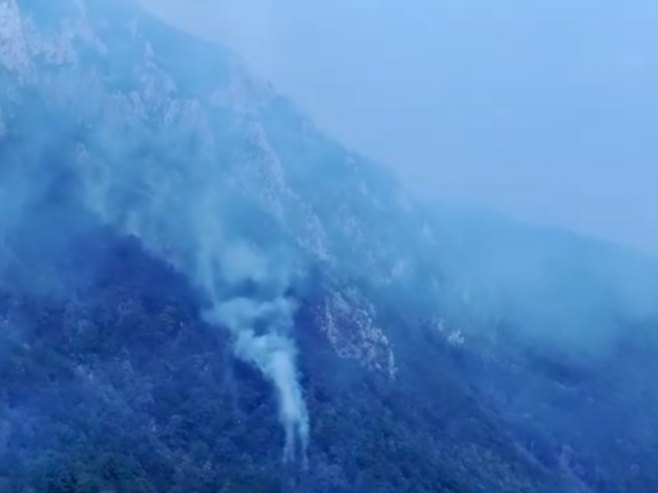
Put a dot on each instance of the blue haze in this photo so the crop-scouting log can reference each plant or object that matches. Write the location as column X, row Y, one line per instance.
column 494, row 354
column 543, row 110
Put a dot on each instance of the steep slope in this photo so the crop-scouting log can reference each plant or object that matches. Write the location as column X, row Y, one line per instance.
column 202, row 292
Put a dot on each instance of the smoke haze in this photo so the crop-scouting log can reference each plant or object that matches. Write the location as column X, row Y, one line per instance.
column 540, row 110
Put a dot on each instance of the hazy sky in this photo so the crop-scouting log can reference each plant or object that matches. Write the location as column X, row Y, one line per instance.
column 544, row 109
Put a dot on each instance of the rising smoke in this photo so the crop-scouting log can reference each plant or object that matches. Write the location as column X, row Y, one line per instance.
column 191, row 234
column 152, row 141
column 185, row 215
column 144, row 162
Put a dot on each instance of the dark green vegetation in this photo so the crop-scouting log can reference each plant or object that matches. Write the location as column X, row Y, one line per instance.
column 114, row 384
column 111, row 382
column 437, row 352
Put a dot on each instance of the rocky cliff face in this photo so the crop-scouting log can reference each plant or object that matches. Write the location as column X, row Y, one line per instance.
column 174, row 234
column 168, row 138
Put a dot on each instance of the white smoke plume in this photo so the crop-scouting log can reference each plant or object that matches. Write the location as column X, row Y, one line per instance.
column 274, row 354
column 186, row 218
column 148, row 165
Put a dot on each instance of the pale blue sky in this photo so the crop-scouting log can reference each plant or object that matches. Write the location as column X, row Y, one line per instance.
column 546, row 110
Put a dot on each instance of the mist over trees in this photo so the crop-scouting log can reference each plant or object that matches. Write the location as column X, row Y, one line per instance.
column 202, row 292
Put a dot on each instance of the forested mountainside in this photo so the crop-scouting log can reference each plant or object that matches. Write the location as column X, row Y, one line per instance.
column 201, row 292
